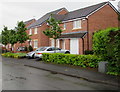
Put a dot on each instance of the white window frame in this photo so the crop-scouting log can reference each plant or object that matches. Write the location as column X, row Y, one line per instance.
column 77, row 24
column 30, row 32
column 35, row 31
column 31, row 43
column 35, row 44
column 64, row 26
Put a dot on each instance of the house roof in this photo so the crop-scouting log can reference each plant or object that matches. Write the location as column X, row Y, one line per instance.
column 26, row 22
column 80, row 13
column 83, row 12
column 79, row 34
column 44, row 18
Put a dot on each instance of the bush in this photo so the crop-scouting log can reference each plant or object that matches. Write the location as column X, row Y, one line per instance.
column 89, row 52
column 14, row 55
column 30, row 48
column 77, row 60
column 26, row 48
column 106, row 44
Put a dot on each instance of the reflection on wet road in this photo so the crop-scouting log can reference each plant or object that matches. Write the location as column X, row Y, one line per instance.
column 19, row 77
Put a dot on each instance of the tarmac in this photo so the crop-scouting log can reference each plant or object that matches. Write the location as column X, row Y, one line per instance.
column 83, row 73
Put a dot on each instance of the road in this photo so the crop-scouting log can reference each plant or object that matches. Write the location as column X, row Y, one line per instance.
column 19, row 77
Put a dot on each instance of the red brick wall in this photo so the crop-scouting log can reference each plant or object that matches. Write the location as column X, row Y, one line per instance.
column 104, row 18
column 29, row 23
column 62, row 12
column 69, row 26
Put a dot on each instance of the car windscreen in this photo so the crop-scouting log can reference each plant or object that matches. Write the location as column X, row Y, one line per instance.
column 41, row 49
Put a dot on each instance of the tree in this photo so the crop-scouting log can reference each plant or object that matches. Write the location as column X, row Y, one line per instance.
column 54, row 31
column 12, row 38
column 0, row 38
column 22, row 36
column 5, row 36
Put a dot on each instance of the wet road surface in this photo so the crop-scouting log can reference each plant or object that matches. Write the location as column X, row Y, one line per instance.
column 19, row 77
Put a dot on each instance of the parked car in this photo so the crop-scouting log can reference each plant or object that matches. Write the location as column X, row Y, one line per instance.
column 21, row 49
column 39, row 51
column 30, row 54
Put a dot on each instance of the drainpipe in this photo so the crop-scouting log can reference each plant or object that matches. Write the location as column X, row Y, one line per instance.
column 83, row 44
column 87, row 33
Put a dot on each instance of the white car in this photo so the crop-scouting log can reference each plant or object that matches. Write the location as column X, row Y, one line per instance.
column 30, row 54
column 39, row 51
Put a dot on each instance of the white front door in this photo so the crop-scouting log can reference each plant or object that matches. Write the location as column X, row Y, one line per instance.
column 52, row 42
column 74, row 46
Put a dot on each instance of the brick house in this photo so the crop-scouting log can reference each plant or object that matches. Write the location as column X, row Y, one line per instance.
column 79, row 27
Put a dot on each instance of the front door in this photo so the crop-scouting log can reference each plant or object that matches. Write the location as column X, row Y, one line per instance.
column 74, row 46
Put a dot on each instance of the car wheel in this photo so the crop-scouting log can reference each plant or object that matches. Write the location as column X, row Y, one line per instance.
column 67, row 52
column 33, row 56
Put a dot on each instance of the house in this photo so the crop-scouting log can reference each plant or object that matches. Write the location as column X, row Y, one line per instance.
column 78, row 25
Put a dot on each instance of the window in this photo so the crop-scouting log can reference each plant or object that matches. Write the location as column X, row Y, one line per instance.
column 30, row 43
column 77, row 24
column 35, row 31
column 30, row 31
column 35, row 43
column 64, row 26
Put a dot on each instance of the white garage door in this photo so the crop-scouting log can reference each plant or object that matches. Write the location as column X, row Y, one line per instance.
column 74, row 46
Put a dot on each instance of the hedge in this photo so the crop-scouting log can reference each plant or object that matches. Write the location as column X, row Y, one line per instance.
column 71, row 59
column 106, row 43
column 14, row 55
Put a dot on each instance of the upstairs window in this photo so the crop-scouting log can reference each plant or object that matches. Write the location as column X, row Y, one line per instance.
column 30, row 32
column 35, row 31
column 77, row 24
column 64, row 26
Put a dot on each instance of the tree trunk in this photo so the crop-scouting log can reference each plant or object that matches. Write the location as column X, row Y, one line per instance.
column 12, row 48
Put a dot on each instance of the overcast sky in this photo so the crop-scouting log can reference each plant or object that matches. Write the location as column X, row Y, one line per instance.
column 18, row 10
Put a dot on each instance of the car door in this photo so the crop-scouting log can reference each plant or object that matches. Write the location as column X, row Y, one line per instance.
column 50, row 50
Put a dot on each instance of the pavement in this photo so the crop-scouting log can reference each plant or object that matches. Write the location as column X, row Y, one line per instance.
column 83, row 73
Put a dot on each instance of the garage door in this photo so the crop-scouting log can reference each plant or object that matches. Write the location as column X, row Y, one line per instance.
column 74, row 46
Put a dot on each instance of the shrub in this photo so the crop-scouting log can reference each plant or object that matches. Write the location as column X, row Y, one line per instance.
column 106, row 43
column 77, row 60
column 14, row 55
column 30, row 48
column 89, row 52
column 26, row 48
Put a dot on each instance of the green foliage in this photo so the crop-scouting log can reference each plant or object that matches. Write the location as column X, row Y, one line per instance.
column 30, row 48
column 54, row 31
column 26, row 48
column 77, row 60
column 89, row 52
column 0, row 38
column 14, row 55
column 5, row 36
column 22, row 36
column 12, row 37
column 106, row 44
